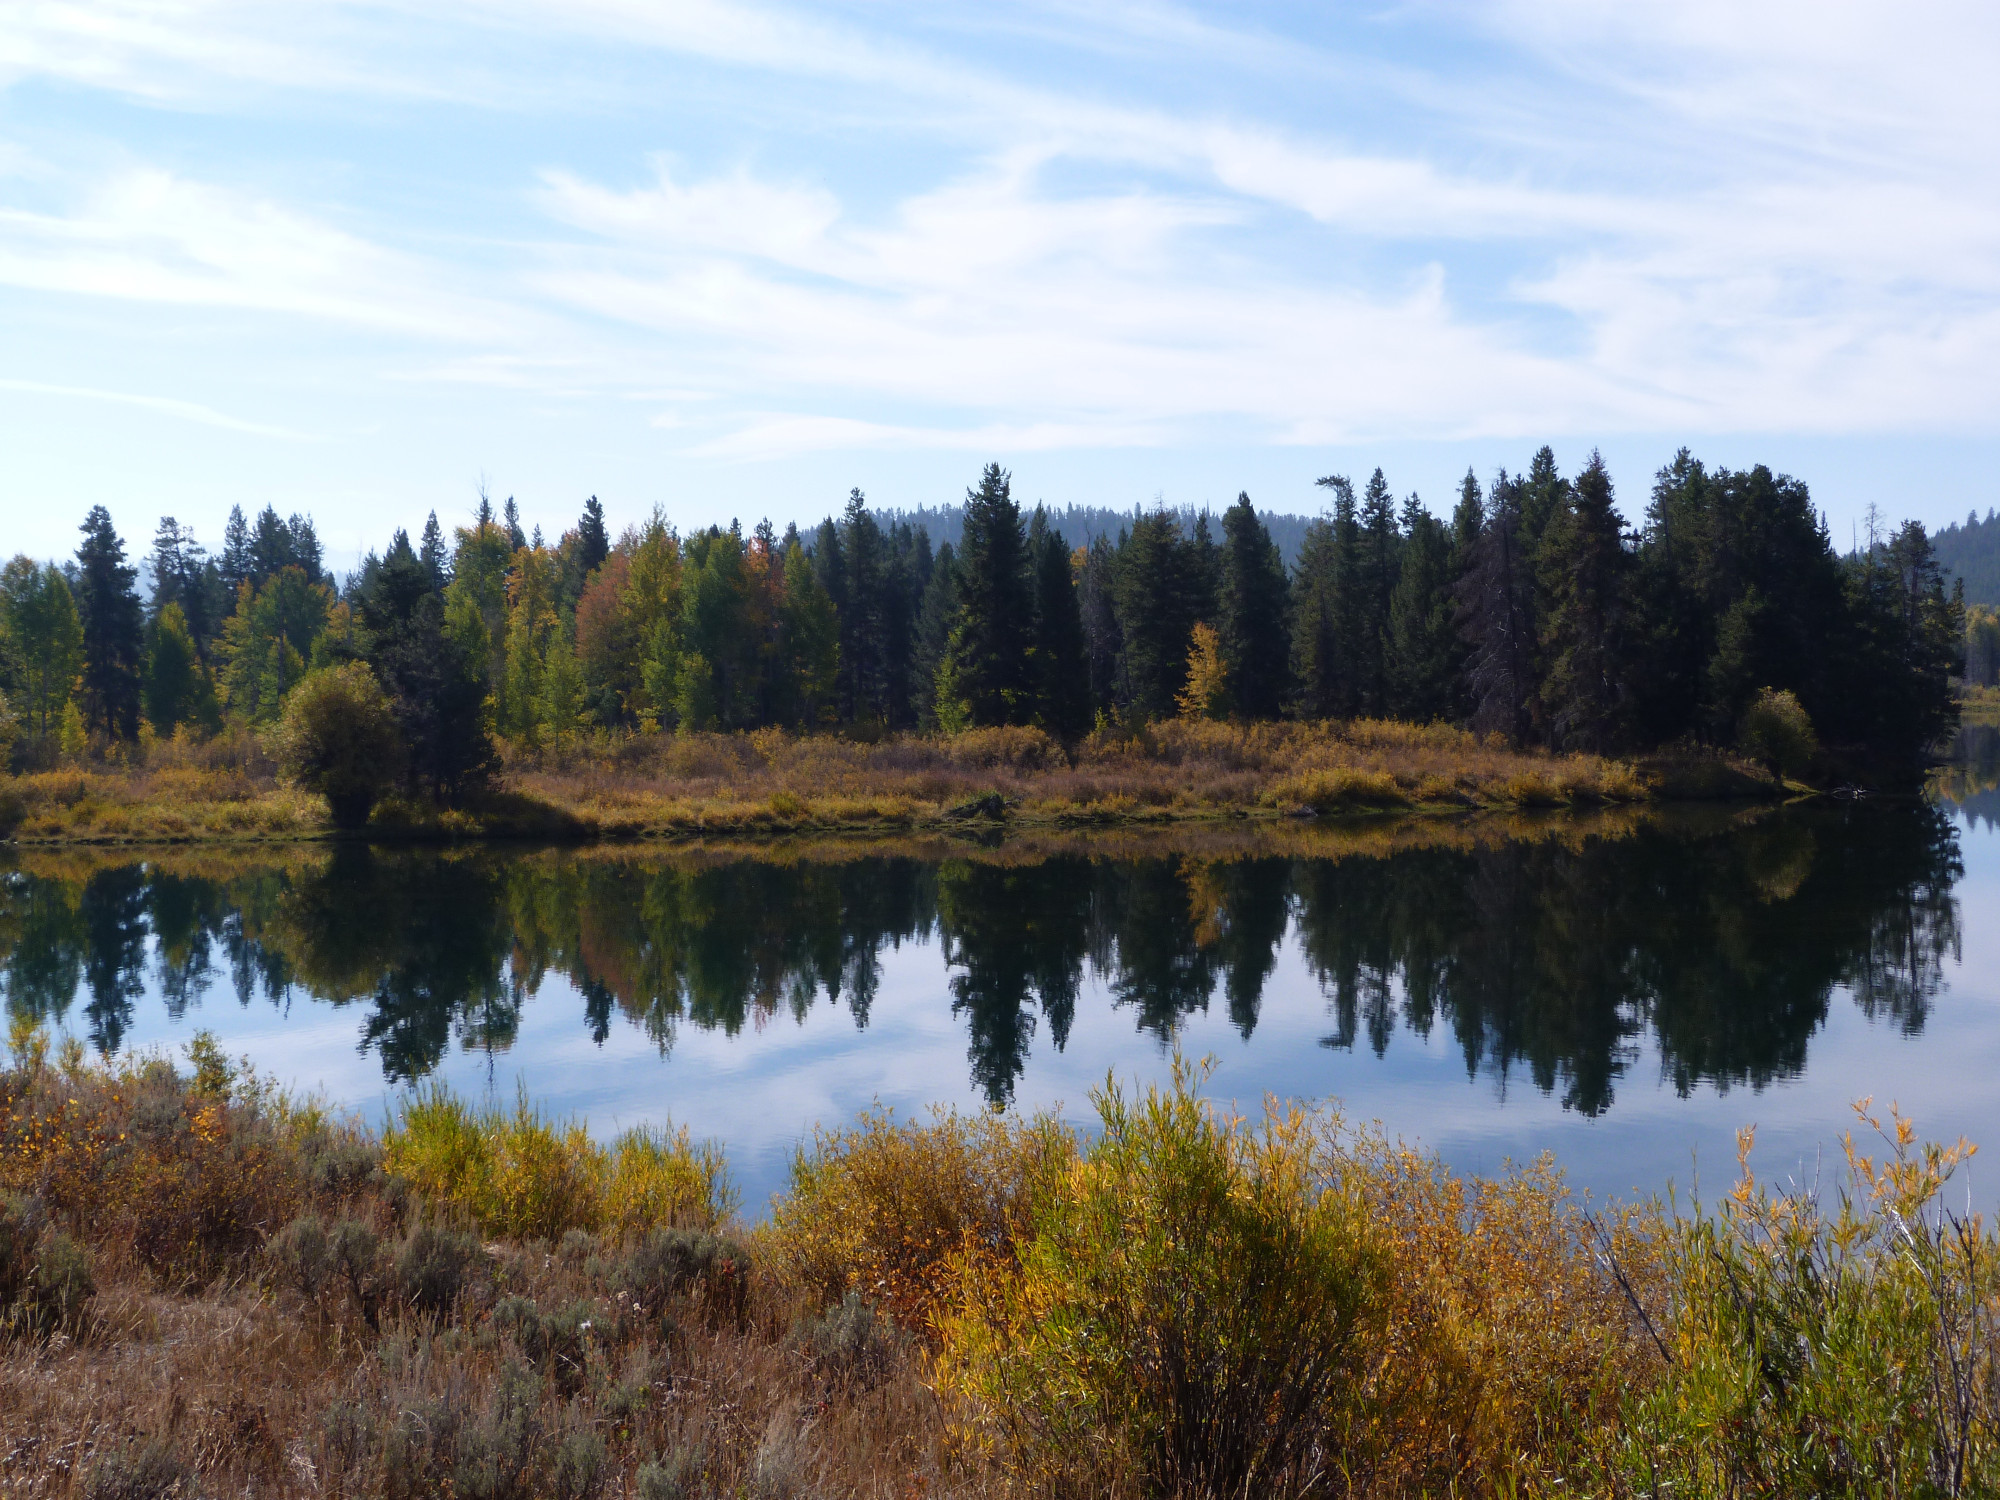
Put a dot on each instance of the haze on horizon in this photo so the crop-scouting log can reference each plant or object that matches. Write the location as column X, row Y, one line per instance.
column 354, row 258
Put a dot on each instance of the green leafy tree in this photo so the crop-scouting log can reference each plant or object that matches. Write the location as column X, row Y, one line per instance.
column 266, row 642
column 1778, row 733
column 987, row 656
column 114, row 641
column 46, row 633
column 338, row 737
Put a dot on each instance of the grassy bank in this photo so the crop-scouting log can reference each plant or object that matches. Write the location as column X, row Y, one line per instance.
column 210, row 1286
column 768, row 783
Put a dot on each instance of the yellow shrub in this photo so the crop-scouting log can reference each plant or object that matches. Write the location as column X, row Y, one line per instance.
column 885, row 1207
column 1341, row 788
column 663, row 1177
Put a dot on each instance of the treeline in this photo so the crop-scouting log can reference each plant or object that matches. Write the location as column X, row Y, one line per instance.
column 1969, row 552
column 1535, row 612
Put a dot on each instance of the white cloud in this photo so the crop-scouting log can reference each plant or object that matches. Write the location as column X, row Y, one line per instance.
column 187, row 411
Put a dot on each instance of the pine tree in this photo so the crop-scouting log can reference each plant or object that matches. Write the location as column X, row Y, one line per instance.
column 1583, row 568
column 987, row 659
column 1328, row 655
column 811, row 643
column 1422, row 646
column 863, row 665
column 266, row 643
column 933, row 636
column 1062, row 670
column 236, row 562
column 1251, row 615
column 593, row 541
column 436, row 561
column 1104, row 642
column 1165, row 582
column 516, row 537
column 1495, row 618
column 1377, row 567
column 107, row 603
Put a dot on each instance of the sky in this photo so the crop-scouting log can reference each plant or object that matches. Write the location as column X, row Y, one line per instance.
column 361, row 258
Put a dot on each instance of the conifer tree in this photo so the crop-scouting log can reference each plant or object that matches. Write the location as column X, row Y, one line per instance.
column 516, row 537
column 434, row 557
column 863, row 667
column 1583, row 566
column 1377, row 568
column 1104, row 641
column 593, row 542
column 935, row 618
column 1422, row 645
column 1062, row 671
column 987, row 658
column 811, row 634
column 1495, row 618
column 236, row 562
column 107, row 604
column 177, row 690
column 1251, row 615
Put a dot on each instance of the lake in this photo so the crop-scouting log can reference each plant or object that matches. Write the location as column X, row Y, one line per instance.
column 1624, row 990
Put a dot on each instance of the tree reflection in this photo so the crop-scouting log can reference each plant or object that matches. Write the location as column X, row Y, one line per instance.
column 1551, row 959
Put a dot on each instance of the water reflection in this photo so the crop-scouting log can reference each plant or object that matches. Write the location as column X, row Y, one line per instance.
column 1549, row 958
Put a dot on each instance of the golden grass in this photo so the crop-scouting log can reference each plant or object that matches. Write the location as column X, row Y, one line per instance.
column 770, row 783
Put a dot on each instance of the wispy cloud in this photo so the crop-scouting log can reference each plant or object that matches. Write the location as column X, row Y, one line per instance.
column 186, row 411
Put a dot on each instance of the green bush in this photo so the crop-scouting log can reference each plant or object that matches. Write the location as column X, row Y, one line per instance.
column 670, row 1262
column 1777, row 734
column 45, row 1280
column 850, row 1344
column 435, row 1268
column 1192, row 1301
column 338, row 737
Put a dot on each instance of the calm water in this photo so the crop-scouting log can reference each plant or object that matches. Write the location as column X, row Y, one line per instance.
column 1623, row 995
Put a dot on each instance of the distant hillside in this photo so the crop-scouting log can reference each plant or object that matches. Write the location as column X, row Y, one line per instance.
column 1079, row 525
column 1971, row 551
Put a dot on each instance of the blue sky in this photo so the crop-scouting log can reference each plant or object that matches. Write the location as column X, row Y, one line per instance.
column 732, row 259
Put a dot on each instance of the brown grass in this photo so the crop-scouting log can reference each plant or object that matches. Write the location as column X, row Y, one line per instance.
column 770, row 783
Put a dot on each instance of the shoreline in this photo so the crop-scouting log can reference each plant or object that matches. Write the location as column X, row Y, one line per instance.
column 766, row 788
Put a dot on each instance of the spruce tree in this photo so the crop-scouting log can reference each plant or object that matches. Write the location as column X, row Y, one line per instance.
column 1062, row 667
column 987, row 661
column 933, row 636
column 1422, row 644
column 1104, row 641
column 236, row 562
column 107, row 604
column 593, row 542
column 516, row 537
column 1376, row 569
column 1496, row 618
column 1583, row 568
column 1251, row 615
column 862, row 613
column 432, row 554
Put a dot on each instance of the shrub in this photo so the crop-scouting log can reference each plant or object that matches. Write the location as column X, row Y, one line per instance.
column 669, row 1262
column 1194, row 1298
column 849, row 1344
column 338, row 737
column 435, row 1267
column 1778, row 735
column 1849, row 1349
column 556, row 1345
column 1340, row 789
column 523, row 1175
column 45, row 1280
column 577, row 1470
column 888, row 1208
column 1021, row 748
column 150, row 1471
column 315, row 1256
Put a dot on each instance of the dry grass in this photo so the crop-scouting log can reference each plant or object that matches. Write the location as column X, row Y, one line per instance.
column 769, row 784
column 1175, row 1303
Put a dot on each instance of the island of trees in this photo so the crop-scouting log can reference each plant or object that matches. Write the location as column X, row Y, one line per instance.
column 1534, row 612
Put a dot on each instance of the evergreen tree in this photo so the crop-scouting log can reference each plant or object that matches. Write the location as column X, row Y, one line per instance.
column 107, row 604
column 516, row 537
column 236, row 562
column 434, row 557
column 1583, row 566
column 1104, row 642
column 986, row 661
column 811, row 643
column 863, row 665
column 933, row 636
column 266, row 643
column 593, row 541
column 1328, row 654
column 1165, row 586
column 1251, row 615
column 1062, row 668
column 429, row 650
column 1377, row 568
column 1496, row 618
column 1423, row 645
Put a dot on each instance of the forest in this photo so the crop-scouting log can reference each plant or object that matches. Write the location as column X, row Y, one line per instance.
column 1535, row 612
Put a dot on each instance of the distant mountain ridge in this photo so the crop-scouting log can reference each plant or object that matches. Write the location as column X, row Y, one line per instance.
column 1971, row 551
